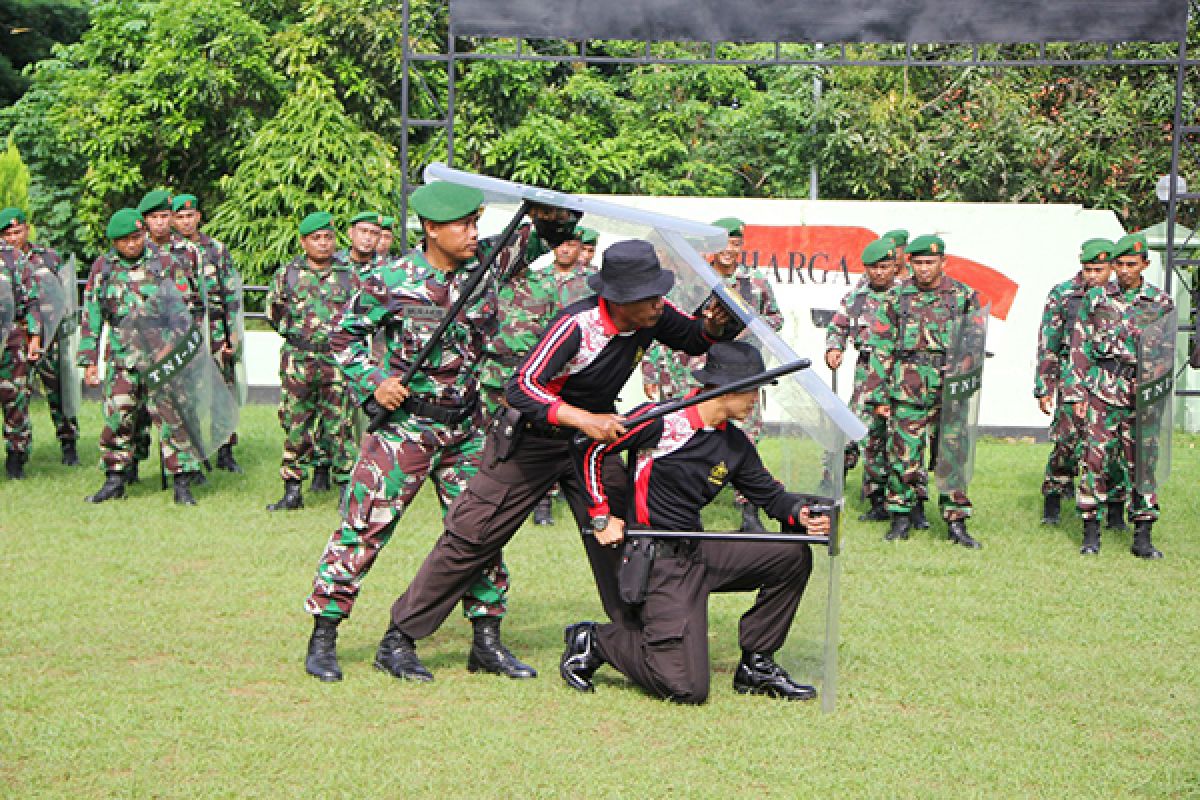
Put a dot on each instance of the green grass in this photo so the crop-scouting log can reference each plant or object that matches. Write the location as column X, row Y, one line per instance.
column 150, row 651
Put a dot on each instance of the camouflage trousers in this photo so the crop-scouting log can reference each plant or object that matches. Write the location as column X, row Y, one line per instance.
column 1107, row 460
column 229, row 376
column 47, row 370
column 1063, row 465
column 874, row 456
column 128, row 413
column 392, row 467
column 907, row 477
column 14, row 392
column 315, row 412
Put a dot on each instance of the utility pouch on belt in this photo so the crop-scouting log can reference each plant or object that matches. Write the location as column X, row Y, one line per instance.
column 506, row 433
column 633, row 576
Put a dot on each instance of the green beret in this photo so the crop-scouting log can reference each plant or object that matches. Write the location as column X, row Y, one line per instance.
column 10, row 215
column 156, row 200
column 877, row 251
column 387, row 223
column 587, row 235
column 899, row 237
column 123, row 223
column 316, row 221
column 367, row 216
column 732, row 225
column 1131, row 244
column 1095, row 250
column 185, row 202
column 442, row 201
column 927, row 245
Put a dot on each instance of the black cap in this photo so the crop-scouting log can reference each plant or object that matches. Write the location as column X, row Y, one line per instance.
column 729, row 362
column 630, row 272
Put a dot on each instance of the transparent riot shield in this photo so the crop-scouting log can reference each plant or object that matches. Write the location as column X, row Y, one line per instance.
column 70, row 375
column 958, row 421
column 182, row 380
column 806, row 424
column 8, row 309
column 1154, row 402
column 236, row 317
column 52, row 303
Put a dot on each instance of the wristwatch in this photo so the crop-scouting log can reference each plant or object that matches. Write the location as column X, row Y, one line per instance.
column 599, row 523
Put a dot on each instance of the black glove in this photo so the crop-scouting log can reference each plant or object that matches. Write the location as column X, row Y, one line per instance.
column 556, row 231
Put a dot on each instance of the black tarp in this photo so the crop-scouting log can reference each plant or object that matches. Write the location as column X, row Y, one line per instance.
column 999, row 21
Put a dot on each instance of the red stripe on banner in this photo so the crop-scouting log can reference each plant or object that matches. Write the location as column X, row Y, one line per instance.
column 838, row 248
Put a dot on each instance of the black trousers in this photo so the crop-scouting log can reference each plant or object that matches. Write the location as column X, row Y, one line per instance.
column 496, row 502
column 667, row 653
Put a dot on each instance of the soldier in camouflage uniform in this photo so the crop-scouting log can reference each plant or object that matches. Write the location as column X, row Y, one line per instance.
column 17, row 351
column 852, row 323
column 587, row 254
column 221, row 282
column 387, row 236
column 899, row 239
column 305, row 301
column 435, row 426
column 1100, row 384
column 908, row 358
column 363, row 233
column 1053, row 360
column 119, row 283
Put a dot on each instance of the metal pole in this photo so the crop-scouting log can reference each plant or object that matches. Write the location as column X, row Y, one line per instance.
column 406, row 65
column 450, row 77
column 813, row 191
column 1176, row 138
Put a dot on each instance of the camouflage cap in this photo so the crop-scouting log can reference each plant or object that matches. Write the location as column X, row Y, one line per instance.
column 928, row 245
column 155, row 200
column 1131, row 244
column 367, row 216
column 185, row 202
column 731, row 225
column 387, row 223
column 123, row 223
column 442, row 201
column 1095, row 250
column 899, row 237
column 877, row 251
column 10, row 215
column 317, row 220
column 587, row 235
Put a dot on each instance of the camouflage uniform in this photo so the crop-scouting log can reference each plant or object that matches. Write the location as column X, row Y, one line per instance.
column 1102, row 374
column 1062, row 307
column 303, row 306
column 908, row 356
column 407, row 300
column 44, row 260
column 851, row 323
column 572, row 286
column 115, row 290
column 526, row 303
column 15, row 270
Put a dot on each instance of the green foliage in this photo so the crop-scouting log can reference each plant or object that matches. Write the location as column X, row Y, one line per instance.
column 14, row 178
column 28, row 31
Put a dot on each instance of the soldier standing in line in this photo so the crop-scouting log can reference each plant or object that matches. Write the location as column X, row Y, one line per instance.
column 909, row 347
column 120, row 284
column 18, row 349
column 587, row 253
column 44, row 264
column 364, row 232
column 899, row 238
column 852, row 323
column 1100, row 384
column 435, row 426
column 306, row 298
column 221, row 287
column 387, row 236
column 1054, row 338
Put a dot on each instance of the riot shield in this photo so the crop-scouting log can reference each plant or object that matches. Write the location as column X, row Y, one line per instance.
column 958, row 420
column 69, row 374
column 8, row 310
column 52, row 302
column 806, row 424
column 1154, row 402
column 235, row 315
column 182, row 380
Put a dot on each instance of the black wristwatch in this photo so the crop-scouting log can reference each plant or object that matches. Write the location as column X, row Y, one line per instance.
column 599, row 523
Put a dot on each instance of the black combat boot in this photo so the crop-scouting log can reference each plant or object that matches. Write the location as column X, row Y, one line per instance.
column 225, row 459
column 397, row 655
column 292, row 498
column 580, row 659
column 957, row 533
column 183, row 489
column 1051, row 509
column 321, row 661
column 543, row 512
column 1142, row 546
column 901, row 523
column 488, row 653
column 114, row 486
column 132, row 475
column 320, row 481
column 919, row 521
column 757, row 673
column 878, row 511
column 750, row 521
column 15, row 465
column 1091, row 537
column 69, row 455
column 1114, row 517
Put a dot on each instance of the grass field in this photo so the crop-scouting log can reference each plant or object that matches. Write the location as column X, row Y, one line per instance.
column 150, row 651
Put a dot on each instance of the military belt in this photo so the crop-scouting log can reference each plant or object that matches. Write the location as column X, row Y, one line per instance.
column 300, row 343
column 545, row 430
column 447, row 415
column 1119, row 368
column 924, row 359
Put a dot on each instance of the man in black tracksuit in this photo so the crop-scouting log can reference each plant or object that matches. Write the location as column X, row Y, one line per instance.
column 677, row 465
column 567, row 383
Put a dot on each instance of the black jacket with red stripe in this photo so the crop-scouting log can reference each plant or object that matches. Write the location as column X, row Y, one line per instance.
column 677, row 466
column 584, row 361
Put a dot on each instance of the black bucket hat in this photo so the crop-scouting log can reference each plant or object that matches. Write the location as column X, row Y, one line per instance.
column 630, row 272
column 731, row 361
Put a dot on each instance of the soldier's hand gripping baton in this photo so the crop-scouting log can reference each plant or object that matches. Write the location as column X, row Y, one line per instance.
column 468, row 289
